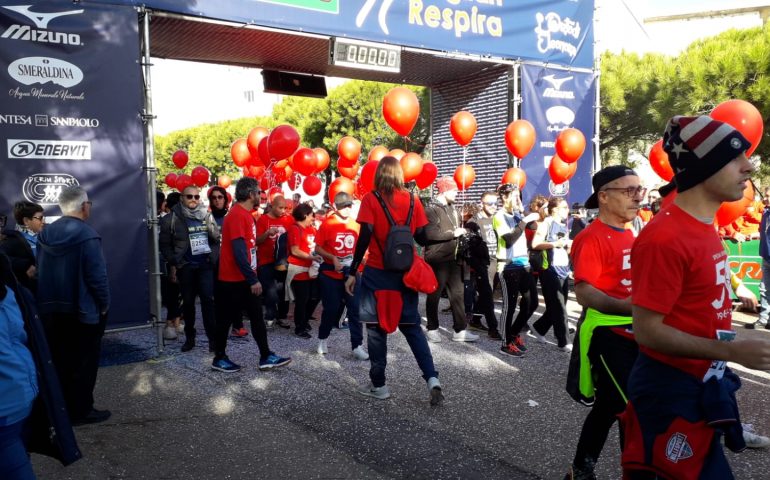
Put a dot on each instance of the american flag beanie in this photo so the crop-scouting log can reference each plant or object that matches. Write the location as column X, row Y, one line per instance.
column 698, row 147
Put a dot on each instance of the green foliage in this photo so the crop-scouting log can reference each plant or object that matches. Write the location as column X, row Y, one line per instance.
column 354, row 108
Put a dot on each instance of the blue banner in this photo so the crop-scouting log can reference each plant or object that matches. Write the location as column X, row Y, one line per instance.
column 554, row 100
column 552, row 31
column 71, row 91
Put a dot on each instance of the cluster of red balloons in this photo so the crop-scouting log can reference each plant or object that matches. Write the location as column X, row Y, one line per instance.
column 570, row 145
column 199, row 176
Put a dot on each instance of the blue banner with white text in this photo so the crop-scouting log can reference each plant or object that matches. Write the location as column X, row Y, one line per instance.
column 551, row 31
column 554, row 100
column 71, row 90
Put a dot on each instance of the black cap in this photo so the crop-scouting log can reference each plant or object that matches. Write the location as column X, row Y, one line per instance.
column 603, row 177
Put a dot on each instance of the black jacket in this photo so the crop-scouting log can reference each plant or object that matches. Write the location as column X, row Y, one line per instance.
column 20, row 253
column 174, row 240
column 442, row 222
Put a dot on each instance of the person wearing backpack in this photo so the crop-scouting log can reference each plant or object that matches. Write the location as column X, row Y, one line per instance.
column 391, row 219
column 443, row 229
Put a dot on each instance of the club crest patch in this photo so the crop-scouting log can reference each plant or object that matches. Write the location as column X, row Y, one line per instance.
column 678, row 448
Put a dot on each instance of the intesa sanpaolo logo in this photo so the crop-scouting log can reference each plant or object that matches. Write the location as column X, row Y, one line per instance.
column 42, row 70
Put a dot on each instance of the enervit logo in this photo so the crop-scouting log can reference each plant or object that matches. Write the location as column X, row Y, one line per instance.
column 555, row 91
column 44, row 188
column 32, row 70
column 41, row 20
column 56, row 121
column 11, row 119
column 49, row 149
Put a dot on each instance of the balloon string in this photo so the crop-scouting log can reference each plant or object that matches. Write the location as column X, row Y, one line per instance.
column 465, row 152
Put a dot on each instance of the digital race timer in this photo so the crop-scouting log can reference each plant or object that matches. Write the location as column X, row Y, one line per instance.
column 345, row 52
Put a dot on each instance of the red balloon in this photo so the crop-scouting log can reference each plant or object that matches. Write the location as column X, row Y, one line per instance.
column 295, row 181
column 366, row 182
column 180, row 158
column 400, row 109
column 273, row 192
column 348, row 149
column 183, row 181
column 520, row 138
column 377, row 153
column 254, row 172
column 411, row 165
column 255, row 136
column 170, row 179
column 570, row 145
column 282, row 142
column 341, row 184
column 284, row 175
column 428, row 175
column 224, row 181
column 323, row 159
column 730, row 211
column 312, row 185
column 305, row 161
column 200, row 176
column 264, row 184
column 397, row 153
column 463, row 127
column 349, row 172
column 744, row 117
column 561, row 171
column 263, row 154
column 239, row 151
column 515, row 176
column 464, row 176
column 659, row 162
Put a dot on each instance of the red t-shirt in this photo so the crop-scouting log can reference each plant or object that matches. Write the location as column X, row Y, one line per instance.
column 266, row 249
column 338, row 237
column 238, row 223
column 680, row 270
column 371, row 212
column 304, row 238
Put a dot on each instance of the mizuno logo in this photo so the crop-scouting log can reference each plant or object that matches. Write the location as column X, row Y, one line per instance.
column 556, row 82
column 364, row 12
column 41, row 20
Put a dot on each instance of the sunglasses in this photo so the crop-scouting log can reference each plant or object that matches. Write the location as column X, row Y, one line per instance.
column 490, row 204
column 190, row 197
column 217, row 197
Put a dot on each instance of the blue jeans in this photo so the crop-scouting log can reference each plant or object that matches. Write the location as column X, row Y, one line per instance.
column 335, row 300
column 14, row 461
column 764, row 288
column 378, row 351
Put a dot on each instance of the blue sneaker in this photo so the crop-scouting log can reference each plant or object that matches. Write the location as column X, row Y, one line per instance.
column 225, row 365
column 273, row 361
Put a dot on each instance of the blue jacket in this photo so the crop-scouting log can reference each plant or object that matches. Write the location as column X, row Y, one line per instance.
column 764, row 236
column 18, row 378
column 72, row 273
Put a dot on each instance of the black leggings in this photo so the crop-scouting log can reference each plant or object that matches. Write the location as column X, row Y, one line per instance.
column 555, row 292
column 306, row 298
column 515, row 282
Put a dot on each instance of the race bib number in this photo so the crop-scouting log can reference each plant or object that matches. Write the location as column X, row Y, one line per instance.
column 253, row 256
column 717, row 368
column 346, row 261
column 560, row 257
column 199, row 243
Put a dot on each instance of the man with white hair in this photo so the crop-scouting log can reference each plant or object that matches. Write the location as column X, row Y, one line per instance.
column 73, row 299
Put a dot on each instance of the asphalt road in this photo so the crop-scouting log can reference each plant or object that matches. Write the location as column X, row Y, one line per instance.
column 503, row 417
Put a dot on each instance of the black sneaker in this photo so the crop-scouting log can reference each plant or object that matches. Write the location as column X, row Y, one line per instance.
column 512, row 350
column 188, row 345
column 519, row 342
column 476, row 325
column 767, row 326
column 282, row 323
column 750, row 326
column 94, row 416
column 303, row 334
column 495, row 335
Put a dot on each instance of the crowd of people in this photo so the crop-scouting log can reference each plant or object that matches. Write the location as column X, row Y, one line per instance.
column 649, row 348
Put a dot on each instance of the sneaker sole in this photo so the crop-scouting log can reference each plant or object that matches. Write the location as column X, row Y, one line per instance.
column 501, row 352
column 274, row 365
column 367, row 393
column 436, row 397
column 225, row 370
column 466, row 340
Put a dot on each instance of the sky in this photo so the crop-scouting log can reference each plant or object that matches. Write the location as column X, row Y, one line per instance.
column 186, row 94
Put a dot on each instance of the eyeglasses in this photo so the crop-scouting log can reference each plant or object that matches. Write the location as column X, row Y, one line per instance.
column 41, row 217
column 217, row 197
column 631, row 192
column 190, row 197
column 490, row 204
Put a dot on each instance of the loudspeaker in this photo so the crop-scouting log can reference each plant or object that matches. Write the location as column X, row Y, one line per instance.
column 286, row 83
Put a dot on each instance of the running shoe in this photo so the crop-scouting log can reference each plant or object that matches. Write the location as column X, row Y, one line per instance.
column 273, row 361
column 239, row 332
column 512, row 350
column 519, row 342
column 380, row 393
column 225, row 365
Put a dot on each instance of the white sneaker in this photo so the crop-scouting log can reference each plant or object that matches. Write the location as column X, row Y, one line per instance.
column 360, row 354
column 269, row 323
column 533, row 333
column 566, row 348
column 180, row 327
column 323, row 347
column 433, row 336
column 434, row 389
column 464, row 336
column 169, row 333
column 380, row 393
column 752, row 439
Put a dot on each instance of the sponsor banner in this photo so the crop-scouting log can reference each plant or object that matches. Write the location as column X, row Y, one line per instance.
column 70, row 97
column 553, row 31
column 554, row 100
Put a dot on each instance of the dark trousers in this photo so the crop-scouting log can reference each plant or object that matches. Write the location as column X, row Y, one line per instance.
column 169, row 294
column 273, row 294
column 197, row 281
column 14, row 459
column 619, row 353
column 377, row 342
column 232, row 299
column 484, row 303
column 555, row 292
column 335, row 300
column 449, row 275
column 305, row 301
column 75, row 349
column 515, row 283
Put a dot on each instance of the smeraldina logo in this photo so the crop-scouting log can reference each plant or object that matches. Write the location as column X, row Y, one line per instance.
column 39, row 34
column 32, row 70
column 44, row 188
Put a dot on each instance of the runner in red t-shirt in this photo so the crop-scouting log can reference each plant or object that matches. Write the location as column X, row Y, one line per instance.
column 239, row 288
column 682, row 314
column 302, row 274
column 272, row 273
column 604, row 349
column 381, row 293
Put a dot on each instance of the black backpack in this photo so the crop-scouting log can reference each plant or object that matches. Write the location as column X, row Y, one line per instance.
column 398, row 254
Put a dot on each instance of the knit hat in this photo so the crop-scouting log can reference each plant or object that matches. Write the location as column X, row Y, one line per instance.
column 602, row 178
column 444, row 184
column 698, row 147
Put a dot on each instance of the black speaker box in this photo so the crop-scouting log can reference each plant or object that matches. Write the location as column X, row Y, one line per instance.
column 286, row 83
